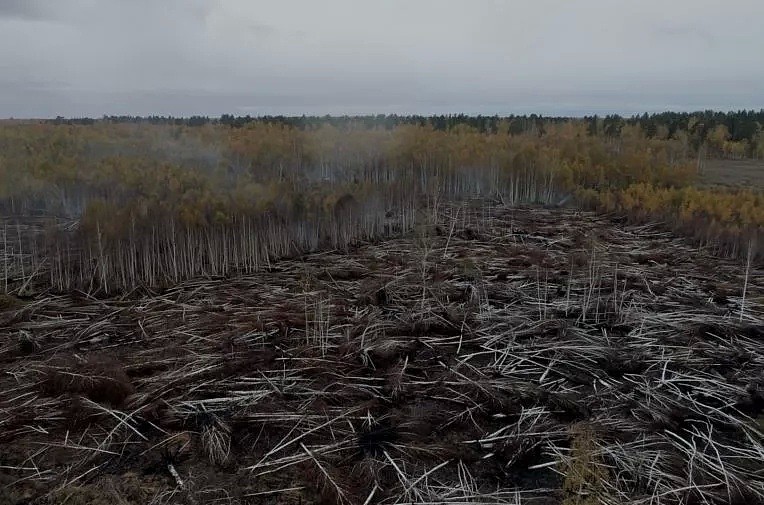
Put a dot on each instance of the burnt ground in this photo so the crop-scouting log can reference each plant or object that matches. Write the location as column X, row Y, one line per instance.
column 504, row 356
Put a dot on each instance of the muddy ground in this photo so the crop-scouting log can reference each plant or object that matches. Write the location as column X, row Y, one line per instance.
column 503, row 356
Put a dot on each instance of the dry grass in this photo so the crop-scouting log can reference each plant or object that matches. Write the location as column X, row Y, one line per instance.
column 531, row 356
column 585, row 472
column 733, row 173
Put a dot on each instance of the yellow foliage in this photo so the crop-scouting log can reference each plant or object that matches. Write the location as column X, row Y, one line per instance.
column 134, row 176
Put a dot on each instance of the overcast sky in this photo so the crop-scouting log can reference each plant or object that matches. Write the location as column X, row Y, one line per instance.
column 184, row 57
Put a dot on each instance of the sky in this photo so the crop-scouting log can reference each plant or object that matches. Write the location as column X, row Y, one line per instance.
column 554, row 57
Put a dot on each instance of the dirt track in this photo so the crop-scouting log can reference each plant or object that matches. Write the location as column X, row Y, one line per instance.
column 528, row 355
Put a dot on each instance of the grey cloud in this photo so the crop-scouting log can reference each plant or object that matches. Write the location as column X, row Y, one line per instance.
column 23, row 9
column 681, row 32
column 182, row 57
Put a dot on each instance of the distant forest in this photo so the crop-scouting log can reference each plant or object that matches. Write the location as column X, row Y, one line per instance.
column 727, row 134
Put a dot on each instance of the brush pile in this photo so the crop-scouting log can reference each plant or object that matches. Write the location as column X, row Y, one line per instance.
column 500, row 356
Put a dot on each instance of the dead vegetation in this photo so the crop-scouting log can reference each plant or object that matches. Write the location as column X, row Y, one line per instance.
column 96, row 378
column 515, row 356
column 747, row 173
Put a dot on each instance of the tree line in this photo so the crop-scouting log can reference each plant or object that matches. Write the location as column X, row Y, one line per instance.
column 731, row 134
